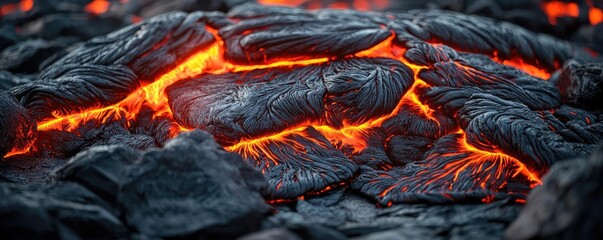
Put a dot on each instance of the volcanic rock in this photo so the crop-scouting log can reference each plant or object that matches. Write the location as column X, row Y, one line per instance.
column 9, row 80
column 99, row 169
column 582, row 84
column 55, row 212
column 272, row 234
column 566, row 206
column 192, row 187
column 17, row 126
column 26, row 56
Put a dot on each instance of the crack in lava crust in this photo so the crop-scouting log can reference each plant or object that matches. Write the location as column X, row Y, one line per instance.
column 351, row 139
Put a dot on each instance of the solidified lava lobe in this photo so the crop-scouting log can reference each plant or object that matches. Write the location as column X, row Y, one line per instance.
column 325, row 103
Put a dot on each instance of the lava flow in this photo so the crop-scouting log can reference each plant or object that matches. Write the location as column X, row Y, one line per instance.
column 211, row 61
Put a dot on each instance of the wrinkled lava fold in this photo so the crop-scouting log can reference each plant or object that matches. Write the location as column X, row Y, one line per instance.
column 418, row 106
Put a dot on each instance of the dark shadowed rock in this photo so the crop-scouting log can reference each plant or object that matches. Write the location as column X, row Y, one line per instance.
column 582, row 84
column 99, row 169
column 272, row 234
column 55, row 212
column 18, row 128
column 26, row 56
column 567, row 205
column 9, row 80
column 192, row 186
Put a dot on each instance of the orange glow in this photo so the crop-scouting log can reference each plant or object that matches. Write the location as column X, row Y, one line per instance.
column 16, row 151
column 26, row 5
column 525, row 67
column 23, row 6
column 555, row 9
column 291, row 3
column 595, row 16
column 211, row 60
column 7, row 8
column 481, row 155
column 351, row 135
column 475, row 161
column 361, row 5
column 97, row 7
column 153, row 95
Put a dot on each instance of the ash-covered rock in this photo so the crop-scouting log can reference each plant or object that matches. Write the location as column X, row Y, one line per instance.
column 192, row 187
column 566, row 206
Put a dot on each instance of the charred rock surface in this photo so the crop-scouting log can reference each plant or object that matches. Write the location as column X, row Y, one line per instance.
column 63, row 211
column 99, row 169
column 563, row 207
column 356, row 218
column 192, row 186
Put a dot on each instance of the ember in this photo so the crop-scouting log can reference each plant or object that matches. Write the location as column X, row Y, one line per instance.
column 176, row 115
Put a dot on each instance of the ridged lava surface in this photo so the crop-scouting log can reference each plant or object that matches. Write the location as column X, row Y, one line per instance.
column 419, row 106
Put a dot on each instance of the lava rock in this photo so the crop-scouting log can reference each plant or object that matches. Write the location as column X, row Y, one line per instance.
column 27, row 56
column 192, row 187
column 99, row 169
column 566, row 206
column 582, row 84
column 9, row 80
column 17, row 126
column 56, row 212
column 275, row 233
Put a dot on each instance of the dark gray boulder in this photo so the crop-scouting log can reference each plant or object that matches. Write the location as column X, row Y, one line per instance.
column 192, row 187
column 567, row 205
column 66, row 211
column 98, row 169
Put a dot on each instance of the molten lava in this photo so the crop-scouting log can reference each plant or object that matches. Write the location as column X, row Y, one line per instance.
column 211, row 61
column 97, row 7
column 23, row 6
column 555, row 9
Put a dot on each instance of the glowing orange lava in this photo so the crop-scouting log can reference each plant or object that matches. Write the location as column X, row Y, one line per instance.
column 211, row 60
column 527, row 68
column 97, row 7
column 555, row 9
column 23, row 6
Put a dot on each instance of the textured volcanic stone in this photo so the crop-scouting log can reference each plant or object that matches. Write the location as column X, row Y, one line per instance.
column 440, row 76
column 99, row 169
column 26, row 56
column 261, row 102
column 566, row 206
column 55, row 212
column 275, row 233
column 80, row 86
column 192, row 186
column 582, row 84
column 9, row 80
column 17, row 126
column 292, row 172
